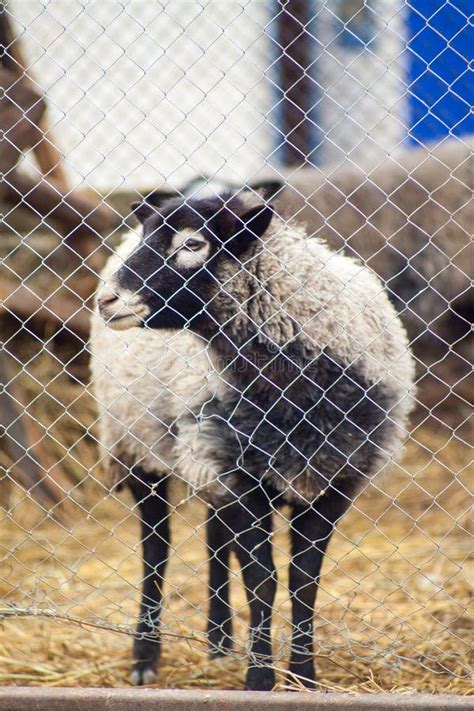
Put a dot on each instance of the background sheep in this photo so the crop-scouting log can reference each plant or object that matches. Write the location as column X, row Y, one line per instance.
column 314, row 373
column 410, row 219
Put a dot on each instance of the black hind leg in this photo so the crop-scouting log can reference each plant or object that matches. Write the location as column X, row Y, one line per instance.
column 311, row 531
column 150, row 494
column 219, row 626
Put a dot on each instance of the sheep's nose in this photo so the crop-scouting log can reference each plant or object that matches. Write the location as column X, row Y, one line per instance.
column 106, row 299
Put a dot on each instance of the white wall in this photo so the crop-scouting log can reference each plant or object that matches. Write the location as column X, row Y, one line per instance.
column 142, row 92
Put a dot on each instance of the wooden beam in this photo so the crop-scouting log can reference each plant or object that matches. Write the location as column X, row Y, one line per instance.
column 21, row 109
column 33, row 308
column 71, row 213
column 22, row 126
column 42, row 698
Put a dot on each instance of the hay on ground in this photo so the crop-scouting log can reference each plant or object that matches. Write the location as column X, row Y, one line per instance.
column 392, row 612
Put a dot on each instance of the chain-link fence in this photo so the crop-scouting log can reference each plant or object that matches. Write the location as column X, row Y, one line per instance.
column 302, row 177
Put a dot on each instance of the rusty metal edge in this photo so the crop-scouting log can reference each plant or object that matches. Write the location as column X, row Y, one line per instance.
column 98, row 699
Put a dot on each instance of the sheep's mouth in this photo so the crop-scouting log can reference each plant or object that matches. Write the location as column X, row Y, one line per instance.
column 120, row 322
column 121, row 309
column 121, row 319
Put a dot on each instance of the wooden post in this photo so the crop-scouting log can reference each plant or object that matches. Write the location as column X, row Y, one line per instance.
column 49, row 158
column 295, row 42
column 21, row 109
column 31, row 468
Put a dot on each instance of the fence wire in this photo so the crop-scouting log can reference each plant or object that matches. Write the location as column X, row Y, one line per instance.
column 292, row 287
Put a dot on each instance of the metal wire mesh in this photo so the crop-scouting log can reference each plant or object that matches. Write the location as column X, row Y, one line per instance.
column 354, row 120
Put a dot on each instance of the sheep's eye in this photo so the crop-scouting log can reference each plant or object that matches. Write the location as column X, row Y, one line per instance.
column 194, row 244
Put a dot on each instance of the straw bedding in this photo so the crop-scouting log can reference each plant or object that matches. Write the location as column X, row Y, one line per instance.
column 392, row 613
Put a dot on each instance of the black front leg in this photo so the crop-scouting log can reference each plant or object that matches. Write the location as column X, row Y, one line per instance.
column 150, row 494
column 311, row 530
column 219, row 625
column 249, row 520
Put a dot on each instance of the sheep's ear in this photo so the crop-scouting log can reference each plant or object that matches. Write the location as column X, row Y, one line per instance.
column 268, row 189
column 158, row 197
column 151, row 203
column 248, row 227
column 257, row 219
column 142, row 210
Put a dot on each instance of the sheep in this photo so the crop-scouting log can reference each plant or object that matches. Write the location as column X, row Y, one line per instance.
column 313, row 378
column 142, row 383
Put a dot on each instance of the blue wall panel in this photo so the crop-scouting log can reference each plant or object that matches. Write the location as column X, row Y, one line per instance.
column 440, row 68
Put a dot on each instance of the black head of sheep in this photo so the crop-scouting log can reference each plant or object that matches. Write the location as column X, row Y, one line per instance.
column 171, row 277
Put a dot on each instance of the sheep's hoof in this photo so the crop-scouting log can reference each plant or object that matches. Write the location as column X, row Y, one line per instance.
column 220, row 642
column 302, row 674
column 260, row 679
column 142, row 677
